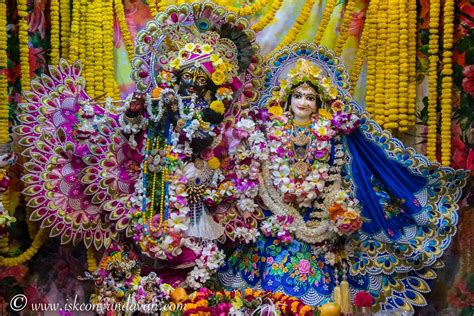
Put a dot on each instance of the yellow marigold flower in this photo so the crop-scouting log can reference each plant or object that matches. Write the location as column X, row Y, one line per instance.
column 275, row 110
column 322, row 131
column 337, row 105
column 176, row 63
column 218, row 107
column 325, row 113
column 189, row 47
column 216, row 60
column 218, row 77
column 207, row 49
column 214, row 163
column 156, row 92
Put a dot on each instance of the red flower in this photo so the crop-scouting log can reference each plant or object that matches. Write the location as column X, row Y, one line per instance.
column 468, row 80
column 363, row 299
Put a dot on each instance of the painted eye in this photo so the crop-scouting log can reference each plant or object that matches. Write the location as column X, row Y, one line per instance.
column 186, row 76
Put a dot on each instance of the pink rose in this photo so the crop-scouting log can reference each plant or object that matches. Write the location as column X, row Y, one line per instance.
column 304, row 266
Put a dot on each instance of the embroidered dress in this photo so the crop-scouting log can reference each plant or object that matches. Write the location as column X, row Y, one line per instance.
column 385, row 233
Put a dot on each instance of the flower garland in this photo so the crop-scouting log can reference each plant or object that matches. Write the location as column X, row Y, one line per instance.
column 110, row 86
column 412, row 24
column 447, row 82
column 269, row 17
column 330, row 4
column 391, row 66
column 64, row 6
column 55, row 32
column 370, row 27
column 98, row 50
column 22, row 6
column 433, row 79
column 403, row 67
column 91, row 260
column 296, row 28
column 380, row 65
column 40, row 238
column 4, row 134
column 152, row 6
column 343, row 33
column 73, row 50
column 87, row 54
column 161, row 5
column 120, row 16
column 248, row 10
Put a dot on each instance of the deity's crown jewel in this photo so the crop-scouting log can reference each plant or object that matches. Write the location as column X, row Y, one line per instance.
column 306, row 72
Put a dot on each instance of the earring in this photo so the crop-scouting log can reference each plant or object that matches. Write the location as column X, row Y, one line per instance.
column 207, row 96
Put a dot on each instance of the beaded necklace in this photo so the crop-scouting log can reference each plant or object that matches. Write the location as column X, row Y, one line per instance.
column 156, row 144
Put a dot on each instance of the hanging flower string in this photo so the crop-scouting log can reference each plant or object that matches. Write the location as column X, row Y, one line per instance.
column 371, row 27
column 447, row 82
column 330, row 4
column 120, row 16
column 64, row 7
column 269, row 17
column 379, row 99
column 346, row 22
column 412, row 23
column 73, row 50
column 403, row 68
column 110, row 86
column 40, row 238
column 391, row 69
column 433, row 79
column 91, row 260
column 295, row 30
column 248, row 10
column 22, row 6
column 55, row 32
column 4, row 135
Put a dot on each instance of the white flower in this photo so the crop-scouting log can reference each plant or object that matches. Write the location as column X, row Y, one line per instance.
column 246, row 124
column 178, row 222
column 246, row 205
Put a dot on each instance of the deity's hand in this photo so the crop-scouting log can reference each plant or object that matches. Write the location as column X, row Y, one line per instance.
column 136, row 105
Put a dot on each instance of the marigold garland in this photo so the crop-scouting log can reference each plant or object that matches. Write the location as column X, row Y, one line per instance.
column 91, row 260
column 371, row 27
column 360, row 56
column 55, row 32
column 403, row 68
column 249, row 10
column 22, row 6
column 152, row 5
column 433, row 79
column 380, row 65
column 98, row 48
column 110, row 86
column 412, row 24
column 73, row 51
column 330, row 4
column 87, row 54
column 391, row 67
column 65, row 9
column 346, row 22
column 296, row 28
column 120, row 15
column 39, row 240
column 447, row 82
column 269, row 17
column 161, row 6
column 4, row 135
column 4, row 247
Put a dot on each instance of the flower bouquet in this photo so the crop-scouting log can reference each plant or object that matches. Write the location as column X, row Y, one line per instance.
column 364, row 301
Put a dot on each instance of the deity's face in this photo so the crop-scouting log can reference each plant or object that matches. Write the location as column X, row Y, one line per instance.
column 303, row 102
column 194, row 80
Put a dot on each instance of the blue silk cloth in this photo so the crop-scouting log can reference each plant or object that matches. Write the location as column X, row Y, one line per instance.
column 409, row 209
